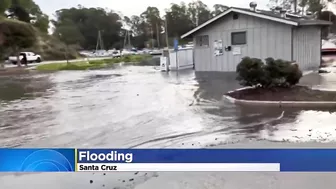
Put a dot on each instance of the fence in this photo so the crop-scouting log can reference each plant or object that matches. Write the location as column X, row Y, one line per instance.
column 179, row 60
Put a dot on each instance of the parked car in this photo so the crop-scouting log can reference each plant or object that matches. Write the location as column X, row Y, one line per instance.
column 116, row 54
column 127, row 52
column 31, row 57
column 155, row 52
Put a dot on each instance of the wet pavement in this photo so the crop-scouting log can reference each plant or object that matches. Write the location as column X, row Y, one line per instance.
column 134, row 107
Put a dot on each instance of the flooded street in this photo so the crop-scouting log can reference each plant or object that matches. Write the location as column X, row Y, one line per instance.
column 140, row 107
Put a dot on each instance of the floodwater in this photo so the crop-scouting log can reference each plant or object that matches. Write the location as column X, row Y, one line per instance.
column 134, row 107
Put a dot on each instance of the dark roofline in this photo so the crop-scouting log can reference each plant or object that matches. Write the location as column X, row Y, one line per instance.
column 259, row 15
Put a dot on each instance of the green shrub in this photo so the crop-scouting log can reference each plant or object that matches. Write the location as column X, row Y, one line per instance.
column 294, row 74
column 97, row 62
column 250, row 71
column 281, row 73
column 127, row 58
column 272, row 73
column 135, row 58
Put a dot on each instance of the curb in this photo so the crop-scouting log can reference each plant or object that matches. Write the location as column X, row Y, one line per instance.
column 291, row 104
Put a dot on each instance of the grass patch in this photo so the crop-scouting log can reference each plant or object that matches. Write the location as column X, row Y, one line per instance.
column 92, row 64
column 68, row 66
column 136, row 58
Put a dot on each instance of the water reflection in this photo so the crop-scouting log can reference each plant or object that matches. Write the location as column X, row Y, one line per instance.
column 140, row 107
column 260, row 122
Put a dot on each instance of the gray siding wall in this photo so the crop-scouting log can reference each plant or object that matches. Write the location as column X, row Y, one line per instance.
column 307, row 46
column 264, row 39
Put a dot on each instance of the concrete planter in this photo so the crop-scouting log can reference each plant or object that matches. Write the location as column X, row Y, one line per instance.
column 293, row 104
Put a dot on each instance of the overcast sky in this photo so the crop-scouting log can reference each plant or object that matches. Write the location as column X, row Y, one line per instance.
column 133, row 7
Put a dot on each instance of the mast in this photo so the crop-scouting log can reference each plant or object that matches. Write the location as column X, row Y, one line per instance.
column 127, row 40
column 99, row 42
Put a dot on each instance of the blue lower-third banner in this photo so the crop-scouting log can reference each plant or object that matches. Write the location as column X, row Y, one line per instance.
column 92, row 160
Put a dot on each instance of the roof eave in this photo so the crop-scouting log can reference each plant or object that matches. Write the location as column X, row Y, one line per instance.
column 326, row 23
column 206, row 23
column 281, row 20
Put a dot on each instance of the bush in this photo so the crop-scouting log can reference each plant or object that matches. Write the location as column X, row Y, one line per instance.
column 136, row 58
column 127, row 58
column 272, row 73
column 250, row 71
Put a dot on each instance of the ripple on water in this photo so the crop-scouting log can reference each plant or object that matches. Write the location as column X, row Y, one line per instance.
column 127, row 107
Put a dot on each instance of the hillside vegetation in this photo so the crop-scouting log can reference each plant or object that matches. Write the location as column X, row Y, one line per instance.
column 24, row 27
column 20, row 36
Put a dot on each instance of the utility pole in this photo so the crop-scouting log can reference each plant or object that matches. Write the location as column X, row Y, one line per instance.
column 329, row 21
column 125, row 39
column 129, row 39
column 197, row 19
column 330, row 12
column 152, row 37
column 166, row 31
column 157, row 35
column 295, row 6
column 102, row 47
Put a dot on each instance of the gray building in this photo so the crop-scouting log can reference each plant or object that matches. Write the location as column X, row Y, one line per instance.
column 221, row 43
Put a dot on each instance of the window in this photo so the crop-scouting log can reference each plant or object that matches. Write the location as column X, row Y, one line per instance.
column 202, row 41
column 238, row 38
column 235, row 16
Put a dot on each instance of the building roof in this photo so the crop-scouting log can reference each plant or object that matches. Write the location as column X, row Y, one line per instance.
column 290, row 19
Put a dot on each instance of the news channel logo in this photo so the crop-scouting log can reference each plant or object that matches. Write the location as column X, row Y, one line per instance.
column 37, row 160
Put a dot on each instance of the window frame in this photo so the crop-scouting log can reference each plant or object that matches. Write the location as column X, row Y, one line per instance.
column 240, row 32
column 202, row 41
